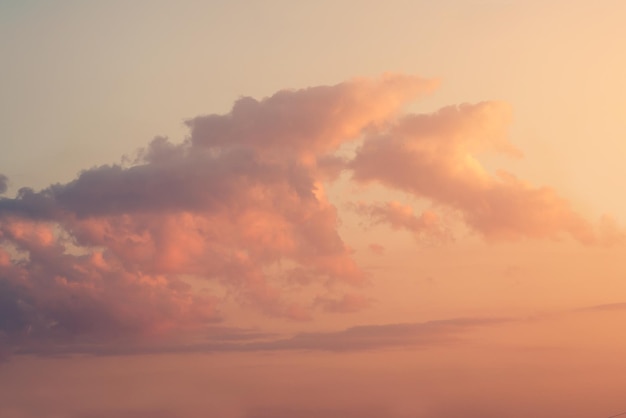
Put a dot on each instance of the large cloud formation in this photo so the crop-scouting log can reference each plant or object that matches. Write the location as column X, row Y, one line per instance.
column 106, row 254
column 241, row 203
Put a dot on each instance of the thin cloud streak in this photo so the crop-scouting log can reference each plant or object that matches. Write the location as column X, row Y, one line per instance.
column 358, row 338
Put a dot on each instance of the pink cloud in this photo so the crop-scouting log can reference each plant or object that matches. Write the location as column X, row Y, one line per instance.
column 434, row 157
column 109, row 251
column 310, row 122
column 398, row 216
column 49, row 293
column 241, row 205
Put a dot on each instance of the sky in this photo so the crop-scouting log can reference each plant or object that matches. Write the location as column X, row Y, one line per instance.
column 283, row 209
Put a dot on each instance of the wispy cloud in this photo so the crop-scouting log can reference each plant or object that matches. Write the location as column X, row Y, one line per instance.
column 358, row 338
column 618, row 306
column 425, row 226
column 435, row 157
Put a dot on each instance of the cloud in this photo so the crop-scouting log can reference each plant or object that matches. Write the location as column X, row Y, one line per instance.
column 349, row 302
column 239, row 208
column 107, row 254
column 310, row 122
column 56, row 297
column 427, row 225
column 434, row 157
column 358, row 338
column 368, row 337
column 618, row 306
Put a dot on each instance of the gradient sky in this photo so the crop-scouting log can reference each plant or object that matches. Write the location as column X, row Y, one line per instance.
column 286, row 209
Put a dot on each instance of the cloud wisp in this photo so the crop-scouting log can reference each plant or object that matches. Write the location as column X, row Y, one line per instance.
column 435, row 157
column 358, row 338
